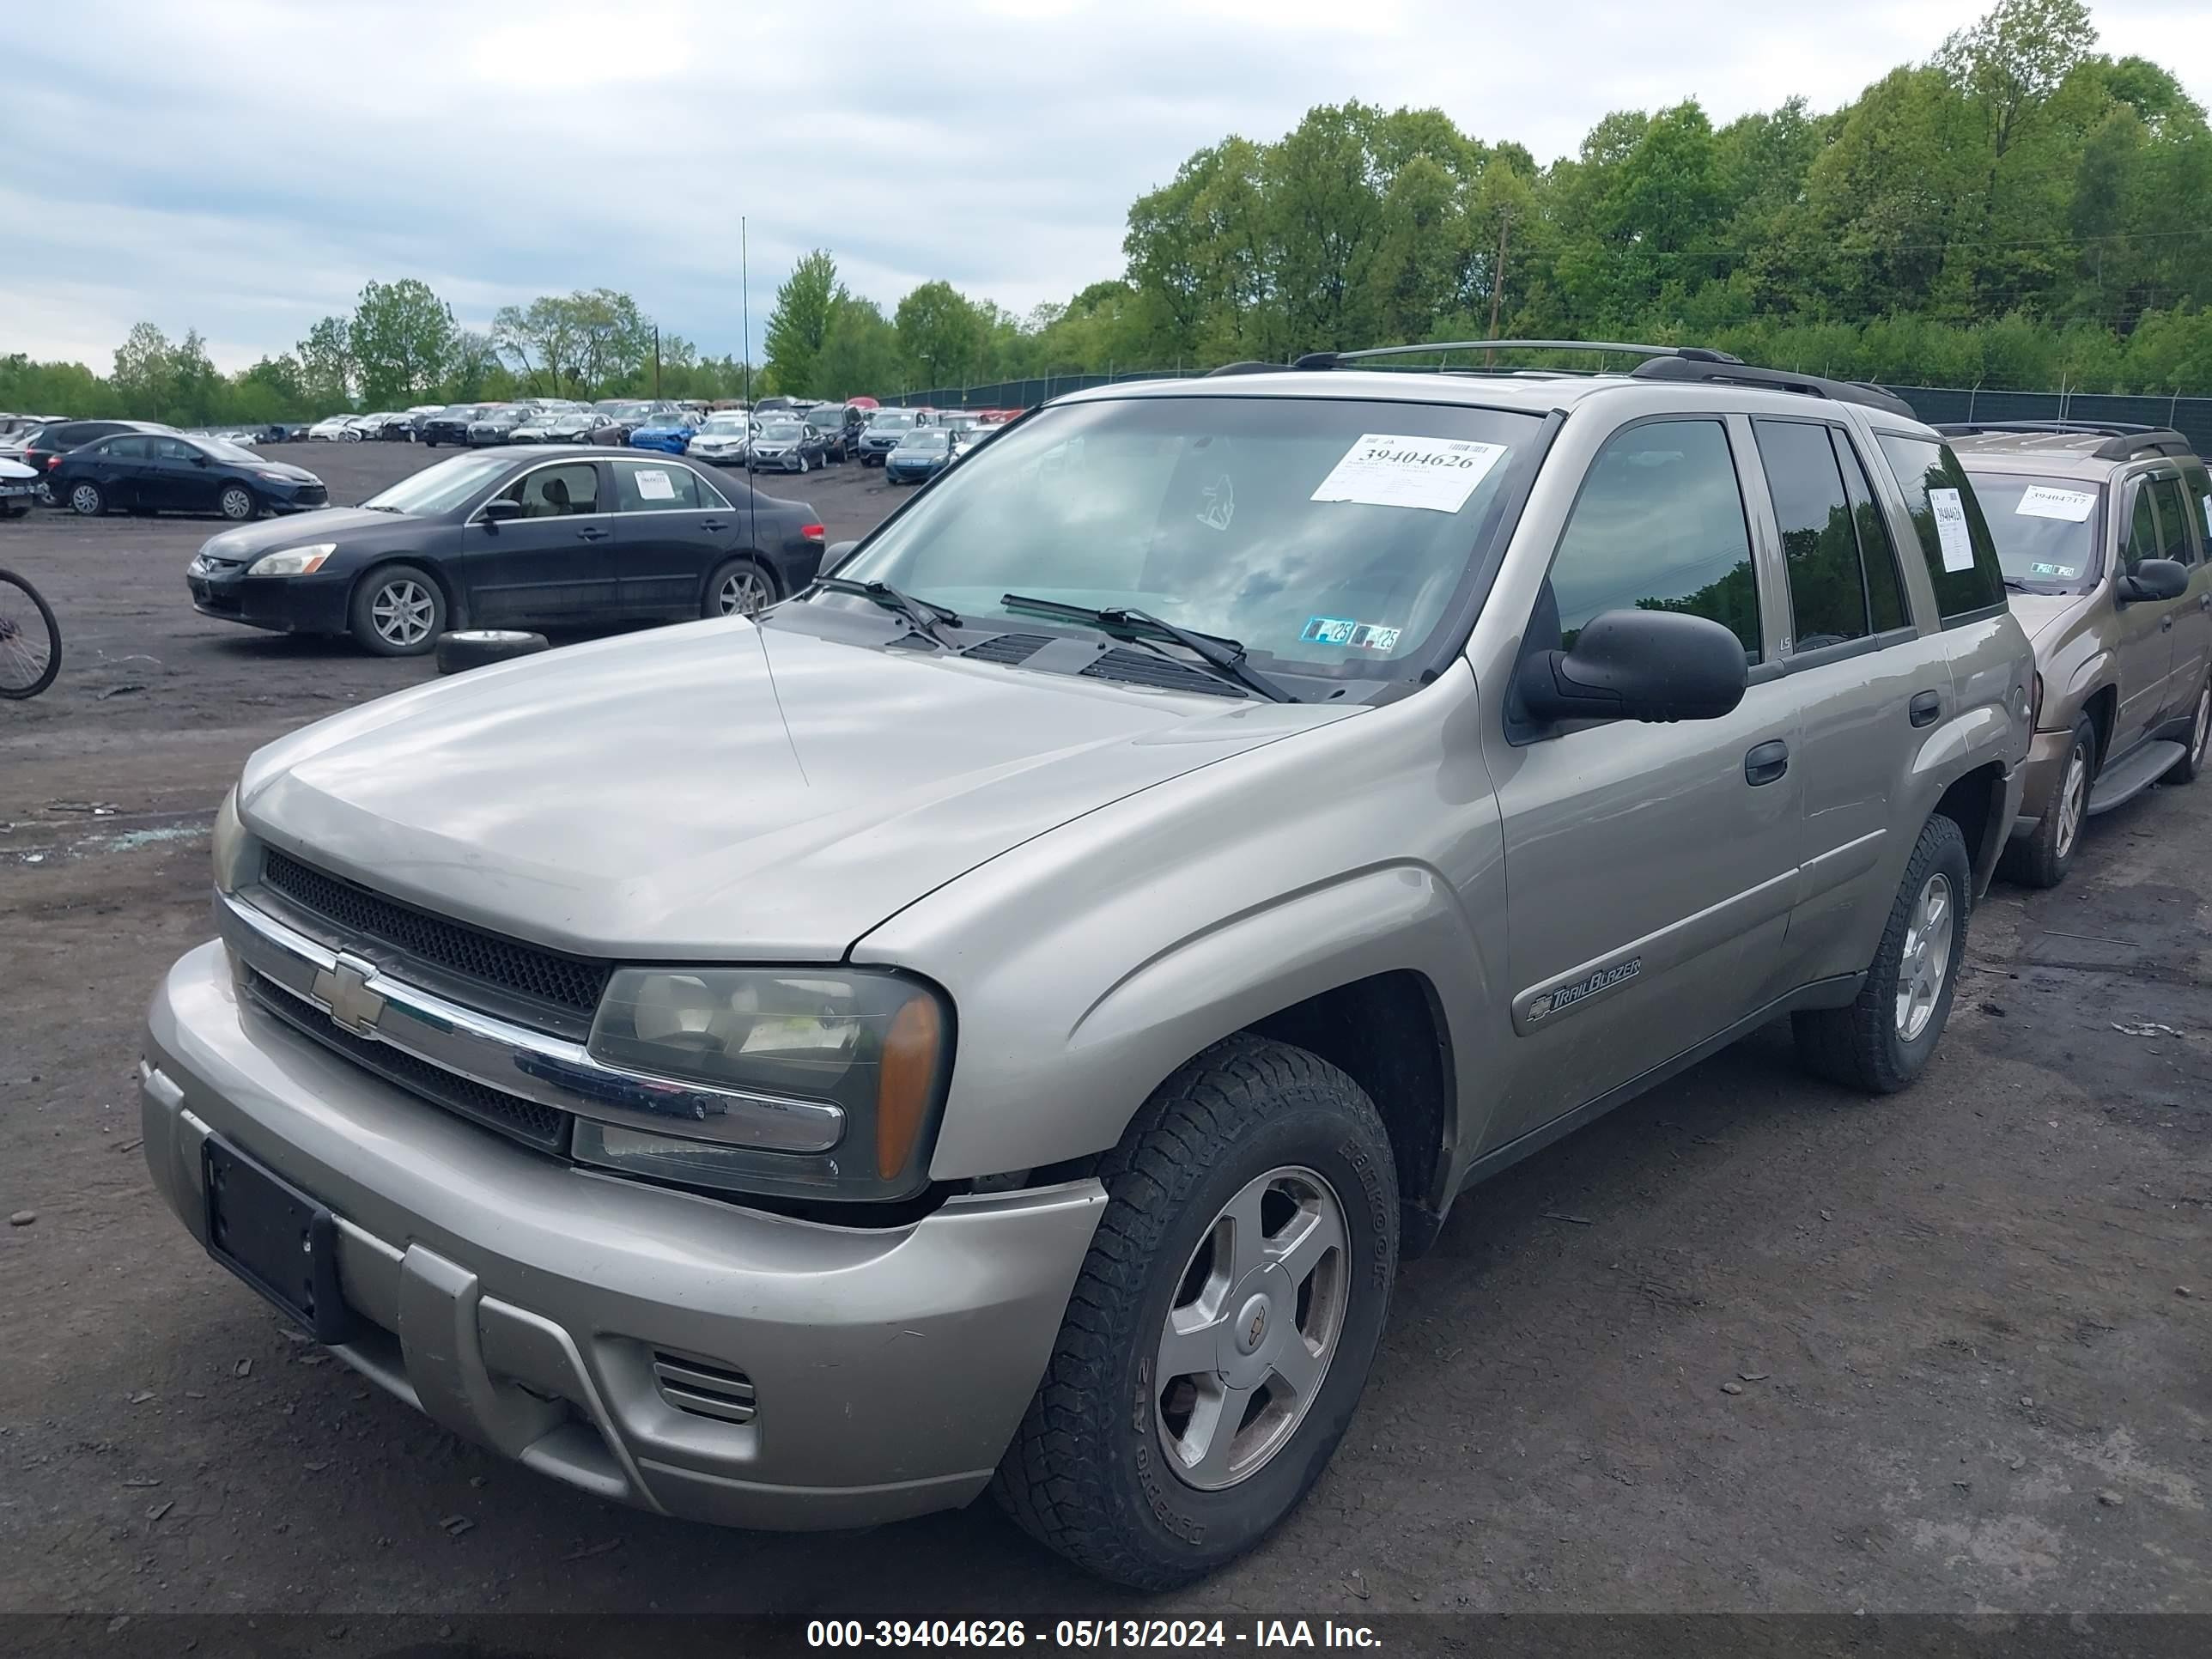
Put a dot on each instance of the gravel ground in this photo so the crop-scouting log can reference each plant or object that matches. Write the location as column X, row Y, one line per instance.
column 1748, row 1345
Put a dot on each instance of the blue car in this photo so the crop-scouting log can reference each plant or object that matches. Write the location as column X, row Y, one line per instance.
column 673, row 433
column 920, row 455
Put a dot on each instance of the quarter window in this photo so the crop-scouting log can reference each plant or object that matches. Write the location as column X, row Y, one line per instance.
column 1819, row 548
column 1659, row 525
column 556, row 492
column 1929, row 477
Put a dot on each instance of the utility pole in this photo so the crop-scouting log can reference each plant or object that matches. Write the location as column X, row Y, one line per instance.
column 1498, row 282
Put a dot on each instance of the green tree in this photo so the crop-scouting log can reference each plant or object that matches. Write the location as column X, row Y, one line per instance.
column 799, row 326
column 859, row 352
column 940, row 335
column 401, row 339
column 327, row 365
column 144, row 372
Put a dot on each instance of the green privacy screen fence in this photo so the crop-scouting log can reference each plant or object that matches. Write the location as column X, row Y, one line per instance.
column 2191, row 416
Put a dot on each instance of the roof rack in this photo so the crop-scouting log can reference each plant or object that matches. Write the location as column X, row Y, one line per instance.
column 1660, row 363
column 1250, row 368
column 2123, row 440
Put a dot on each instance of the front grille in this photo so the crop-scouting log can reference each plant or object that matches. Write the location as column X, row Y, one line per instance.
column 541, row 1127
column 1007, row 648
column 573, row 984
column 1142, row 668
column 703, row 1387
column 310, row 494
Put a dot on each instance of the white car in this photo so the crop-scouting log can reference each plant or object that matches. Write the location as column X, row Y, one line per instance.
column 723, row 440
column 19, row 487
column 337, row 428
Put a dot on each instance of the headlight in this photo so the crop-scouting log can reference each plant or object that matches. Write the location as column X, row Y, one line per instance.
column 876, row 1045
column 230, row 844
column 293, row 561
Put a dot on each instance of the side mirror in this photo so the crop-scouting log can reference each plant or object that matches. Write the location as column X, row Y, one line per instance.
column 837, row 554
column 199, row 459
column 502, row 511
column 1654, row 665
column 2154, row 579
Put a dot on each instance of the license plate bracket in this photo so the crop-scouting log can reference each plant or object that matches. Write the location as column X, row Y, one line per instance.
column 278, row 1239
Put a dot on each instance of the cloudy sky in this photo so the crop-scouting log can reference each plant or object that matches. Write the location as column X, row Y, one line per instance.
column 243, row 168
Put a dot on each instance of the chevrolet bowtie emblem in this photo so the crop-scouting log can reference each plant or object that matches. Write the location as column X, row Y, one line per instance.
column 344, row 991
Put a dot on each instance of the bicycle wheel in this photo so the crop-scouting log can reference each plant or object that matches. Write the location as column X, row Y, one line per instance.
column 30, row 640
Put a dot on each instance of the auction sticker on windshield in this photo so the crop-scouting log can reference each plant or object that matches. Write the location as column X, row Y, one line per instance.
column 653, row 485
column 1353, row 635
column 1386, row 470
column 2042, row 501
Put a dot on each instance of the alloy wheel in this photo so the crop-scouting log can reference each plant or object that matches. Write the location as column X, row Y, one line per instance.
column 1926, row 960
column 1253, row 1324
column 402, row 612
column 744, row 592
column 2202, row 734
column 2073, row 800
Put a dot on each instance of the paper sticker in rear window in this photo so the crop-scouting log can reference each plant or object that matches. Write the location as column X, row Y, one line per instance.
column 1951, row 529
column 2042, row 501
column 1385, row 469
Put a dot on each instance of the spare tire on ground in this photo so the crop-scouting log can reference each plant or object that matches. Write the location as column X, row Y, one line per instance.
column 473, row 647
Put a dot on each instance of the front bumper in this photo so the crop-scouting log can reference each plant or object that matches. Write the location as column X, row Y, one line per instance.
column 2039, row 776
column 524, row 1302
column 283, row 605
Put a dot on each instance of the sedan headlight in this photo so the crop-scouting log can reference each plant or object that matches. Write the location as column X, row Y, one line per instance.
column 876, row 1045
column 231, row 844
column 293, row 561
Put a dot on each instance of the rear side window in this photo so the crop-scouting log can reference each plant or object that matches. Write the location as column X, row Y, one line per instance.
column 1659, row 525
column 1820, row 546
column 2198, row 485
column 1955, row 539
column 128, row 449
column 641, row 487
column 1885, row 587
column 556, row 492
column 2173, row 521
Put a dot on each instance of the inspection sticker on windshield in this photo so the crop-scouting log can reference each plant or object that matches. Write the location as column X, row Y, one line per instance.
column 1385, row 470
column 2042, row 501
column 653, row 485
column 1353, row 636
column 1951, row 529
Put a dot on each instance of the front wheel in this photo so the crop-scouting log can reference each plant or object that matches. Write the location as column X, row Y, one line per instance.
column 397, row 611
column 1224, row 1323
column 30, row 639
column 86, row 499
column 1884, row 1040
column 238, row 504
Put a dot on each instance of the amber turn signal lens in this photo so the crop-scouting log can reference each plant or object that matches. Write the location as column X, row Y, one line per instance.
column 906, row 1076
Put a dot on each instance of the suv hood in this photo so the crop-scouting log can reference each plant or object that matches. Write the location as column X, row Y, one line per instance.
column 2036, row 612
column 720, row 791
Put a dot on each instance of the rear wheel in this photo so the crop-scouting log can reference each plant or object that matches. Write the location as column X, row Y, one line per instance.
column 742, row 588
column 1883, row 1040
column 399, row 611
column 1224, row 1323
column 2043, row 858
column 2199, row 738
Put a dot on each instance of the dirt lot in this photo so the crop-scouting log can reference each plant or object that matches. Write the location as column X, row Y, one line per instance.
column 1749, row 1344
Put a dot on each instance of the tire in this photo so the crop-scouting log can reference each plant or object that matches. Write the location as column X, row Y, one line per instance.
column 475, row 647
column 1114, row 1489
column 46, row 496
column 2042, row 859
column 2198, row 741
column 739, row 587
column 387, row 616
column 429, row 443
column 28, row 662
column 1883, row 1040
column 238, row 504
column 802, row 466
column 87, row 501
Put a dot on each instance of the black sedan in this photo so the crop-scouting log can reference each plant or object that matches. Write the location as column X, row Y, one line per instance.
column 560, row 426
column 49, row 443
column 450, row 425
column 781, row 444
column 508, row 538
column 497, row 424
column 169, row 472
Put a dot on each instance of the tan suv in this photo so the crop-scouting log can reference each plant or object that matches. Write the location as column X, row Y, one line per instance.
column 2103, row 532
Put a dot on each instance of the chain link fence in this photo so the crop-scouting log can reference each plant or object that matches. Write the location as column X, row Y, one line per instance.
column 2191, row 416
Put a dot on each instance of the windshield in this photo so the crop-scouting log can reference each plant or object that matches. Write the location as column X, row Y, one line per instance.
column 927, row 440
column 2045, row 529
column 666, row 417
column 724, row 423
column 826, row 419
column 890, row 420
column 1329, row 536
column 439, row 488
column 781, row 432
column 222, row 449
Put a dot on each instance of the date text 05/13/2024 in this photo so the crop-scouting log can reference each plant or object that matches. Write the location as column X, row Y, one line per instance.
column 1064, row 1633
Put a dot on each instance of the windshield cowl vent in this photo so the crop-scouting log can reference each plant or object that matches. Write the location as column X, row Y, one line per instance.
column 1143, row 668
column 1008, row 648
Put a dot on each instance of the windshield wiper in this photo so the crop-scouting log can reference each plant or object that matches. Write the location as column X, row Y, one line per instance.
column 1224, row 656
column 2020, row 587
column 923, row 615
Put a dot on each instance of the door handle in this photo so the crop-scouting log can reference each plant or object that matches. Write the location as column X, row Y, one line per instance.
column 1767, row 762
column 712, row 524
column 2166, row 622
column 593, row 534
column 2204, row 601
column 1925, row 707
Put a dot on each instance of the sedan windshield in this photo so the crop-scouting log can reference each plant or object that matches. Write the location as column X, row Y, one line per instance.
column 780, row 432
column 1330, row 536
column 222, row 449
column 441, row 488
column 2045, row 529
column 927, row 441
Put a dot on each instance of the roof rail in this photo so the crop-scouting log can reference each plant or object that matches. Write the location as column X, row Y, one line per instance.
column 1337, row 359
column 1779, row 380
column 1249, row 368
column 2123, row 440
